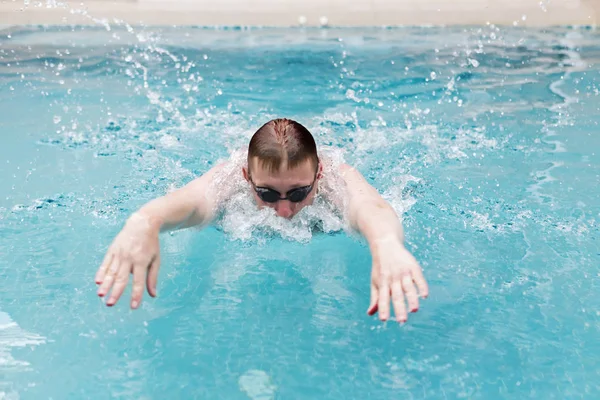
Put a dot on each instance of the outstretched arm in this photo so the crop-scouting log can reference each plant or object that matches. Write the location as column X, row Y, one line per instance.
column 395, row 271
column 136, row 248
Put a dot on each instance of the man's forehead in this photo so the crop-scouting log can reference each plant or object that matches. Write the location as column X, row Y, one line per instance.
column 257, row 167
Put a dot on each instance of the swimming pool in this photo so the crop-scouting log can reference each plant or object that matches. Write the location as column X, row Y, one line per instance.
column 485, row 138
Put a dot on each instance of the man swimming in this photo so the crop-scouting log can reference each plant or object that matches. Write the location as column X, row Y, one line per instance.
column 283, row 171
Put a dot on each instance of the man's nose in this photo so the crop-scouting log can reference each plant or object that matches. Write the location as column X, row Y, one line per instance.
column 284, row 208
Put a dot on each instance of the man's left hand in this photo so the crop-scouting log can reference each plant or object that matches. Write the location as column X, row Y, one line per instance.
column 395, row 273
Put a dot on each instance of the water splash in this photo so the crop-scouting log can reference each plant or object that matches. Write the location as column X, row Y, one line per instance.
column 240, row 218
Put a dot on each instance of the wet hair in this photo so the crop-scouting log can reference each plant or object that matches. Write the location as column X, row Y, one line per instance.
column 282, row 143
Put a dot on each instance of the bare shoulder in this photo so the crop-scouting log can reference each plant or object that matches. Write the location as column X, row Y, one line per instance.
column 344, row 168
column 349, row 173
column 206, row 178
column 357, row 185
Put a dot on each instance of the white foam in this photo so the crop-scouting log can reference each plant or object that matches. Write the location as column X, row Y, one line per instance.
column 11, row 336
column 440, row 147
column 257, row 385
column 394, row 194
column 12, row 395
column 543, row 177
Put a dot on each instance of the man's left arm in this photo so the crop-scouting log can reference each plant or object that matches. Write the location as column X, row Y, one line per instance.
column 394, row 271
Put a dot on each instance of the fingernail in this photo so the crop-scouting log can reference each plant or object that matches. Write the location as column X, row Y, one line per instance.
column 110, row 302
column 134, row 304
column 101, row 294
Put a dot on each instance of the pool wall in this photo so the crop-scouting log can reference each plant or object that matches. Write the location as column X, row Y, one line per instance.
column 288, row 13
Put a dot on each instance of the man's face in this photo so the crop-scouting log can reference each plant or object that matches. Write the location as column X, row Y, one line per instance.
column 283, row 181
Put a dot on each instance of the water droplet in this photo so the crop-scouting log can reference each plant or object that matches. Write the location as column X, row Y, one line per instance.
column 432, row 75
column 57, row 119
column 302, row 20
column 473, row 62
column 323, row 21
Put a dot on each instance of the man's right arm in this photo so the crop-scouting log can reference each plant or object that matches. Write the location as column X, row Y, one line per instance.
column 136, row 248
column 191, row 205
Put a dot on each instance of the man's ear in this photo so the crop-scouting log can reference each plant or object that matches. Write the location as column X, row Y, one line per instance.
column 245, row 173
column 320, row 173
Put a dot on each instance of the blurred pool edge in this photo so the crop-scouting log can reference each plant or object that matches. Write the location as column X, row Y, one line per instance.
column 311, row 13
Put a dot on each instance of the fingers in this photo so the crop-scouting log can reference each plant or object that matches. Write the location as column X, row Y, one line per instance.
column 384, row 301
column 109, row 277
column 153, row 275
column 138, row 285
column 398, row 301
column 137, row 253
column 374, row 299
column 400, row 287
column 121, row 280
column 410, row 291
column 103, row 267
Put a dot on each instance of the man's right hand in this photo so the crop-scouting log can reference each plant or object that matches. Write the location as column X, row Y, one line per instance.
column 134, row 250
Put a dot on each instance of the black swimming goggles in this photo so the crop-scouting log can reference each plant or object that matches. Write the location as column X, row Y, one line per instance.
column 296, row 195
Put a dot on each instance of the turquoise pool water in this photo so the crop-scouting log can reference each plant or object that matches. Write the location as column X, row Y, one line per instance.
column 485, row 139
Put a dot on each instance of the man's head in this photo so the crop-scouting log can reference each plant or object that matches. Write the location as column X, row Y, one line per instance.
column 283, row 165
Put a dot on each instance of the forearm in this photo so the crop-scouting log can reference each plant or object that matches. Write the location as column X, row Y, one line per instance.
column 368, row 212
column 377, row 221
column 166, row 213
column 188, row 206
